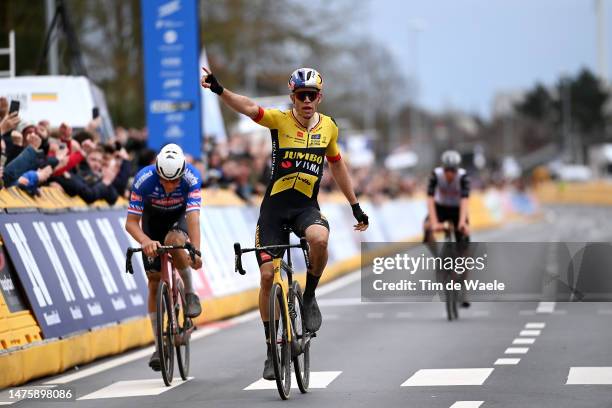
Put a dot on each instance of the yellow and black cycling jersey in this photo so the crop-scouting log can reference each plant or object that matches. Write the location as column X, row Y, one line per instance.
column 298, row 155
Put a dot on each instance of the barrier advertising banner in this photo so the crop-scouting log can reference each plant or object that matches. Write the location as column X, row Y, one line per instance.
column 72, row 268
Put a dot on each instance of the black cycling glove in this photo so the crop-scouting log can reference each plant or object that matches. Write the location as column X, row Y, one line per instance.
column 215, row 86
column 359, row 215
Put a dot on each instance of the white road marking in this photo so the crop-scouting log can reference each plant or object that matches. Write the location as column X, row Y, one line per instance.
column 530, row 333
column 523, row 340
column 198, row 334
column 590, row 375
column 467, row 404
column 449, row 376
column 516, row 350
column 133, row 388
column 507, row 361
column 535, row 325
column 546, row 307
column 318, row 379
column 375, row 315
column 404, row 315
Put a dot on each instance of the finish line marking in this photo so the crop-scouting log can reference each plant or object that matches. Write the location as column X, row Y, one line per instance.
column 318, row 379
column 590, row 376
column 133, row 388
column 447, row 377
column 467, row 404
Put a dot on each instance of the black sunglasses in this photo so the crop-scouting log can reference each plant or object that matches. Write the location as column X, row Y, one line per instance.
column 312, row 95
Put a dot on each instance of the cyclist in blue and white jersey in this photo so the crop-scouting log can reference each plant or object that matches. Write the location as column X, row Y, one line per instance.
column 165, row 202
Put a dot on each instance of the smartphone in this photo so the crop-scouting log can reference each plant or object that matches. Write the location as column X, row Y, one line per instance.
column 95, row 112
column 14, row 107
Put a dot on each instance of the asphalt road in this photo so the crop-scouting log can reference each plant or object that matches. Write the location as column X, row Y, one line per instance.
column 394, row 355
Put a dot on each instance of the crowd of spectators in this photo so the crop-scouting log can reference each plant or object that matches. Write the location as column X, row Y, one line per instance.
column 35, row 154
column 243, row 164
column 82, row 164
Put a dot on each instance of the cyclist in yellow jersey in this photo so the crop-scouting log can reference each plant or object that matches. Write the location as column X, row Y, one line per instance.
column 301, row 139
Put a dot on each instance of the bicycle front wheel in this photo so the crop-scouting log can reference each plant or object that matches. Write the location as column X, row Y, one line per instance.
column 301, row 361
column 183, row 324
column 281, row 349
column 164, row 334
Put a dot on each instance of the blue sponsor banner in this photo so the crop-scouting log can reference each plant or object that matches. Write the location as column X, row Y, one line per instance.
column 170, row 33
column 72, row 269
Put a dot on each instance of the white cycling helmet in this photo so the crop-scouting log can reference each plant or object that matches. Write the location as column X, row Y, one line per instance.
column 451, row 159
column 305, row 78
column 170, row 163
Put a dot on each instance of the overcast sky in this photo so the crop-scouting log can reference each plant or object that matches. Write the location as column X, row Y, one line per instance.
column 470, row 49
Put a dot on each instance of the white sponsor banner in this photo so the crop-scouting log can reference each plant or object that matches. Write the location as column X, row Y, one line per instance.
column 223, row 226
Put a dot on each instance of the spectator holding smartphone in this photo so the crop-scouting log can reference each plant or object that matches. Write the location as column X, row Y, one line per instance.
column 7, row 125
column 31, row 167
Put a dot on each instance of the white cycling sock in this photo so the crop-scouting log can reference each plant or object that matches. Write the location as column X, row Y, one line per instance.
column 186, row 276
column 153, row 317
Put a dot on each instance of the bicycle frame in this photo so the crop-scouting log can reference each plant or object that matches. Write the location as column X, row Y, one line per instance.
column 168, row 275
column 276, row 265
column 171, row 281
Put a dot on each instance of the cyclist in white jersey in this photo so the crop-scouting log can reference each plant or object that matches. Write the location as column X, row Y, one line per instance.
column 448, row 191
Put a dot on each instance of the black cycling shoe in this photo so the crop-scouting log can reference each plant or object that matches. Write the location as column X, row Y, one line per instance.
column 154, row 361
column 268, row 371
column 312, row 314
column 465, row 304
column 193, row 307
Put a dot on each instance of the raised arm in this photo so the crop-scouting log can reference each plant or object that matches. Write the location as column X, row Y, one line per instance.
column 238, row 103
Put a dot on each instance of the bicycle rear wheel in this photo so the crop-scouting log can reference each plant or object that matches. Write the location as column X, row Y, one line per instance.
column 281, row 349
column 183, row 324
column 301, row 361
column 164, row 334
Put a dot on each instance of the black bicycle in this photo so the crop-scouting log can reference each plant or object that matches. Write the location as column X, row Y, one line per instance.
column 291, row 342
column 449, row 278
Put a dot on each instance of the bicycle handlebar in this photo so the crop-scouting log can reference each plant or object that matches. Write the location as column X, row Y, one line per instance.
column 160, row 250
column 238, row 251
